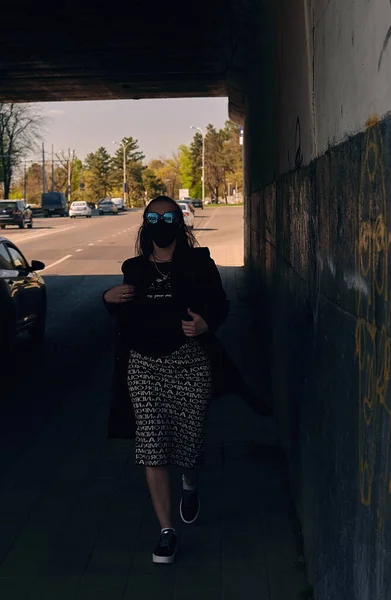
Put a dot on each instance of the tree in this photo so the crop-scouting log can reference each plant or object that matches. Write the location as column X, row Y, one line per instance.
column 20, row 128
column 156, row 163
column 185, row 167
column 153, row 186
column 167, row 170
column 223, row 161
column 34, row 184
column 196, row 164
column 33, row 178
column 133, row 156
column 99, row 166
column 232, row 158
column 214, row 162
column 135, row 183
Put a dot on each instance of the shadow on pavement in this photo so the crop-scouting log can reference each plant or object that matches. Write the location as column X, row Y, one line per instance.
column 203, row 229
column 76, row 520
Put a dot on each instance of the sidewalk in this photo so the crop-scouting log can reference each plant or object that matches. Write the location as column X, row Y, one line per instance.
column 88, row 528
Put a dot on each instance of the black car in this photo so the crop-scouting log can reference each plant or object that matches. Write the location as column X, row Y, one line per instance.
column 15, row 212
column 193, row 203
column 22, row 296
column 197, row 203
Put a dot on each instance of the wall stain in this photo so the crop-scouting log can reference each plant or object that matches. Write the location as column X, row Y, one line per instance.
column 373, row 349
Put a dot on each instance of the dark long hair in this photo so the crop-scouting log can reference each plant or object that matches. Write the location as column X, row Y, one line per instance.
column 185, row 238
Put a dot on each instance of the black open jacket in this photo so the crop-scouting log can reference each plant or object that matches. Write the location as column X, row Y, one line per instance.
column 198, row 285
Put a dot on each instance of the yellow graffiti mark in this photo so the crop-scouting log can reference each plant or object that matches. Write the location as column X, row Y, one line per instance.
column 373, row 346
column 372, row 121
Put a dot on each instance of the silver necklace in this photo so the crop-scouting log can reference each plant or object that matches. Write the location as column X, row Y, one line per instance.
column 156, row 259
column 164, row 276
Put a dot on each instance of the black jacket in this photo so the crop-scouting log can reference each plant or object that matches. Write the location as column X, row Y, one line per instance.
column 198, row 284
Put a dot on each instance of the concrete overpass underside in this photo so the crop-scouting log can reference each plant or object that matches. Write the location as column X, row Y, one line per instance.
column 141, row 50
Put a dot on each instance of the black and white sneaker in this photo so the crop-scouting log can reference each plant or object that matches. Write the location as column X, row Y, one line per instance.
column 167, row 546
column 189, row 507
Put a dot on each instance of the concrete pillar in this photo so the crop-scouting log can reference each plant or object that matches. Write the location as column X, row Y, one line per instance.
column 260, row 139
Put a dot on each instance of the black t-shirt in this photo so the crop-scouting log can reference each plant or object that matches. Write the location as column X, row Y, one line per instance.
column 157, row 316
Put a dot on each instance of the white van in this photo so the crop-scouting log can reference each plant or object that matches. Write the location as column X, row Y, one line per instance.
column 119, row 202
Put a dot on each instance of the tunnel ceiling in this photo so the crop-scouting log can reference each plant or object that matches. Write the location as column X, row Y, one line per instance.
column 145, row 50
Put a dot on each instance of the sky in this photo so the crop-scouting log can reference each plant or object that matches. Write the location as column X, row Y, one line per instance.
column 159, row 125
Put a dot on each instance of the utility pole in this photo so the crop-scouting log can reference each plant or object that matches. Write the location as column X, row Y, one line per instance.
column 52, row 168
column 43, row 169
column 69, row 171
column 69, row 178
column 25, row 183
column 125, row 184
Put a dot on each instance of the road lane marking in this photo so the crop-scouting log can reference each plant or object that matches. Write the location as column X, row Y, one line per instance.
column 90, row 244
column 100, row 241
column 19, row 238
column 79, row 250
column 57, row 262
column 205, row 225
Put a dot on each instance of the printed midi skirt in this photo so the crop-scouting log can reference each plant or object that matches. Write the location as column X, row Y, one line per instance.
column 170, row 397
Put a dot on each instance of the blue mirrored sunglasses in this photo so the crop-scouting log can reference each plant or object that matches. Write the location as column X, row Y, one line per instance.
column 168, row 217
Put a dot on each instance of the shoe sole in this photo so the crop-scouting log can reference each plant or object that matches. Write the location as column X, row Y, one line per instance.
column 163, row 560
column 195, row 518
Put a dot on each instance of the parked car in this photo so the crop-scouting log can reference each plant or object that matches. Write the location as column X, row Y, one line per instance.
column 197, row 203
column 188, row 214
column 15, row 212
column 80, row 209
column 22, row 296
column 189, row 202
column 54, row 203
column 119, row 202
column 108, row 207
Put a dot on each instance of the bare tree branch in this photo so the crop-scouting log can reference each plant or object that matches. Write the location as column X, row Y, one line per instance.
column 21, row 128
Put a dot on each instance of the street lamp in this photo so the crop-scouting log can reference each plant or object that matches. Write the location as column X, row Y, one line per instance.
column 203, row 160
column 124, row 148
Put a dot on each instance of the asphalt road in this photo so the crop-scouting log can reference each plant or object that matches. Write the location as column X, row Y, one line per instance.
column 83, row 258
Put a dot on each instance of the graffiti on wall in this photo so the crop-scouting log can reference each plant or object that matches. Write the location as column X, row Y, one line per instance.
column 373, row 347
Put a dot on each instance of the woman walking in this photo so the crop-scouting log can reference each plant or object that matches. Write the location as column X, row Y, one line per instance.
column 170, row 303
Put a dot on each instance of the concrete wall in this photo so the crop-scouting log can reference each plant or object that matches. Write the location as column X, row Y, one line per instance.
column 318, row 245
column 334, row 65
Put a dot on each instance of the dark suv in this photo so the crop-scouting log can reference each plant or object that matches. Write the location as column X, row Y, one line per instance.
column 197, row 203
column 15, row 212
column 193, row 202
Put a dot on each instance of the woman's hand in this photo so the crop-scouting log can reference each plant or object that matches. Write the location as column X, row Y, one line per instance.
column 120, row 294
column 195, row 327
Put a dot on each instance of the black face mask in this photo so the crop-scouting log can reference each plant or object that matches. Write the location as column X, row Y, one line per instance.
column 163, row 234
